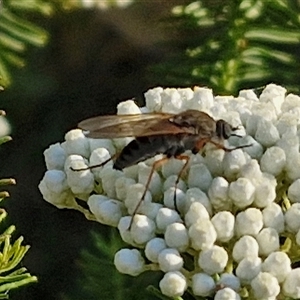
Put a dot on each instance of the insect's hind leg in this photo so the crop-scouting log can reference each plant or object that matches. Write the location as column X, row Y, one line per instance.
column 155, row 166
column 187, row 159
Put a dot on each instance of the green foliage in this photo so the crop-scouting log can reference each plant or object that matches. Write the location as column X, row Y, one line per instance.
column 11, row 252
column 229, row 45
column 17, row 34
column 99, row 278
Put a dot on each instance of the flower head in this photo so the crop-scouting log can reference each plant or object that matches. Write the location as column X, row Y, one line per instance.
column 233, row 209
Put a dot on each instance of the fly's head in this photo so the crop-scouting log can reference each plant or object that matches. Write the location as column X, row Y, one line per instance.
column 224, row 130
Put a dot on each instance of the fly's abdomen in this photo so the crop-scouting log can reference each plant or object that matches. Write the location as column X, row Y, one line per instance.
column 143, row 148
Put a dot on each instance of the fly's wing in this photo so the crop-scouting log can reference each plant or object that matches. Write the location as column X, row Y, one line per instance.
column 116, row 126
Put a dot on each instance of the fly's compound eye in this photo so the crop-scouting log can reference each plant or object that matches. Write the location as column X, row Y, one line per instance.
column 224, row 130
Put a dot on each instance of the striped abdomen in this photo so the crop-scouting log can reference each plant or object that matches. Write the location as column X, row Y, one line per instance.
column 146, row 147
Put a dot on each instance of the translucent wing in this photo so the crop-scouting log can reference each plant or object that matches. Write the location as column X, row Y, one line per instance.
column 115, row 126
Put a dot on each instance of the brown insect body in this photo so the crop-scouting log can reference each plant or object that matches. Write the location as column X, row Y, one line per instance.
column 156, row 134
column 146, row 147
column 159, row 133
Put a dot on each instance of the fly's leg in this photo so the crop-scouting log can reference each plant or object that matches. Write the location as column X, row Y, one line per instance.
column 187, row 159
column 155, row 166
column 95, row 166
column 220, row 146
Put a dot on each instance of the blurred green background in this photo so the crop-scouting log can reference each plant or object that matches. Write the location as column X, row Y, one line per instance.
column 61, row 62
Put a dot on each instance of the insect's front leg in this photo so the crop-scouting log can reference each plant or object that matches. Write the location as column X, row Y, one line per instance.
column 95, row 166
column 221, row 146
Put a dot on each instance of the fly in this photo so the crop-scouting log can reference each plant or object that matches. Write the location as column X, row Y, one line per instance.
column 159, row 133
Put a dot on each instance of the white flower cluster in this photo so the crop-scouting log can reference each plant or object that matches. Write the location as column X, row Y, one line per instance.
column 234, row 208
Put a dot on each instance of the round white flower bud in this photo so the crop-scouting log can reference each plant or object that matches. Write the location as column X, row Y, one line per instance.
column 251, row 170
column 223, row 222
column 241, row 192
column 120, row 143
column 245, row 246
column 196, row 213
column 273, row 217
column 218, row 194
column 102, row 143
column 171, row 101
column 200, row 177
column 196, row 195
column 170, row 260
column 290, row 102
column 265, row 286
column 142, row 229
column 169, row 200
column 227, row 294
column 291, row 284
column 122, row 184
column 176, row 236
column 273, row 161
column 99, row 156
column 128, row 107
column 248, row 94
column 129, row 261
column 166, row 216
column 202, row 235
column 133, row 197
column 55, row 189
column 265, row 193
column 292, row 166
column 172, row 167
column 56, row 181
column 248, row 222
column 203, row 284
column 108, row 180
column 252, row 123
column 232, row 163
column 173, row 284
column 143, row 177
column 292, row 218
column 150, row 209
column 203, row 99
column 124, row 231
column 153, row 99
column 255, row 151
column 214, row 161
column 80, row 182
column 55, row 157
column 106, row 211
column 266, row 134
column 153, row 248
column 268, row 241
column 293, row 191
column 287, row 123
column 213, row 260
column 186, row 95
column 170, row 183
column 76, row 143
column 229, row 280
column 278, row 264
column 248, row 268
column 273, row 93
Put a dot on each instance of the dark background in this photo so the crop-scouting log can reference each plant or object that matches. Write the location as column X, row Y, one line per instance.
column 94, row 60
